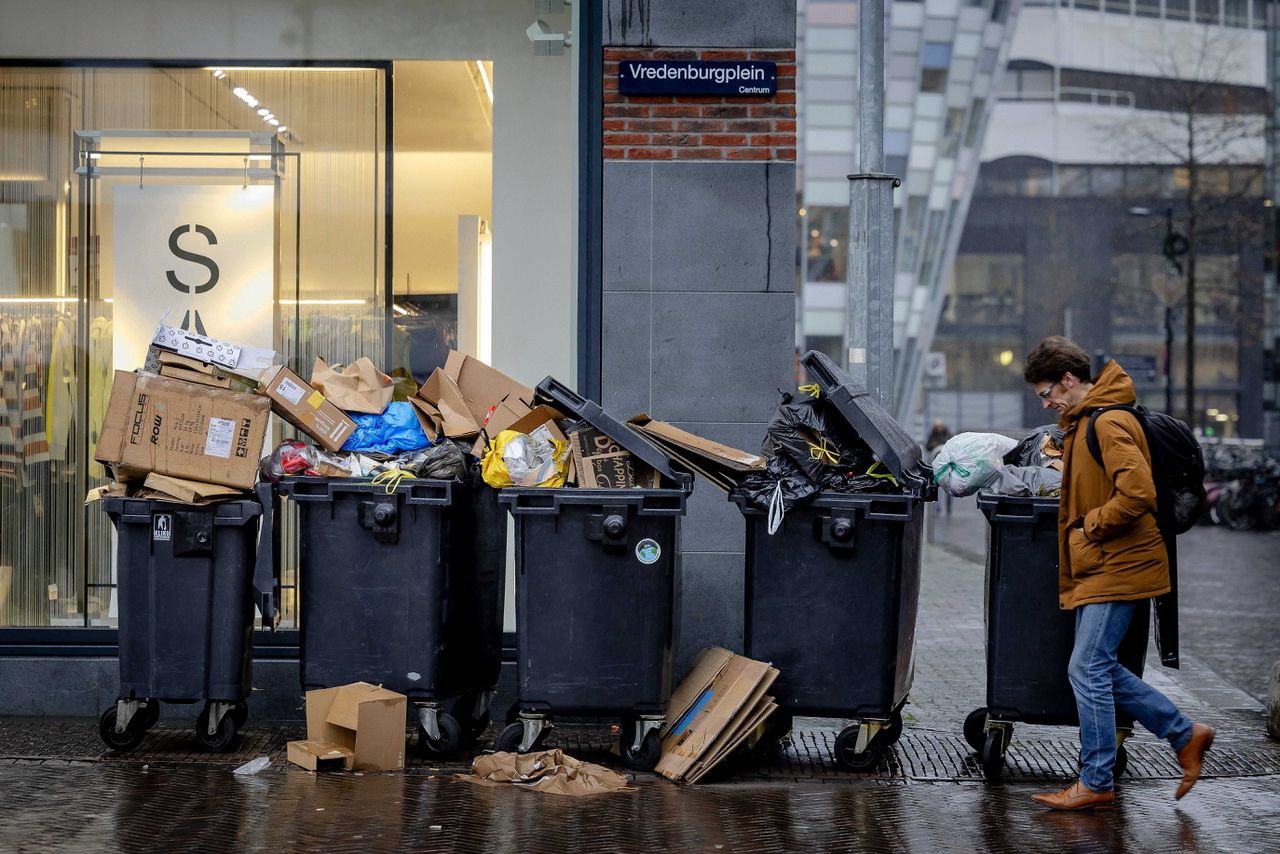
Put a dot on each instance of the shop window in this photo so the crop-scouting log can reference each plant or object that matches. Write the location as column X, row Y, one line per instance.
column 1108, row 180
column 986, row 289
column 1143, row 181
column 1215, row 180
column 1207, row 11
column 825, row 249
column 1073, row 181
column 76, row 145
column 1246, row 181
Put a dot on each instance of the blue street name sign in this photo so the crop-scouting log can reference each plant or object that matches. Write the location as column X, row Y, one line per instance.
column 745, row 78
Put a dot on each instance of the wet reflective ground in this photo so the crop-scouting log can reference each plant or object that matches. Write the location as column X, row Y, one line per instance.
column 103, row 807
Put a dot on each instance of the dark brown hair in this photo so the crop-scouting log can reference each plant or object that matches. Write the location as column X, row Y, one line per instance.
column 1053, row 358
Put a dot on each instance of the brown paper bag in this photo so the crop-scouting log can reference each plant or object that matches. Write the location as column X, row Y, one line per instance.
column 357, row 387
column 548, row 771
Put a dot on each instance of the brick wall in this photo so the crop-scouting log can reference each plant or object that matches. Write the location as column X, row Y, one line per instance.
column 664, row 127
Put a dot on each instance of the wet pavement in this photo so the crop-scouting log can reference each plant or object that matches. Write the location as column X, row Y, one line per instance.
column 62, row 791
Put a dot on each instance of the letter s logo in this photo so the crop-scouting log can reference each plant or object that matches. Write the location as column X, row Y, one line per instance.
column 178, row 284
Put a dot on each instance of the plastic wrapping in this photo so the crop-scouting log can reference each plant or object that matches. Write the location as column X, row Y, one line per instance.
column 1033, row 481
column 826, row 449
column 393, row 431
column 760, row 488
column 1030, row 451
column 445, row 461
column 515, row 459
column 970, row 461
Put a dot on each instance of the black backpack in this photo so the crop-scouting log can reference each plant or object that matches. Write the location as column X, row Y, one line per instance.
column 1177, row 466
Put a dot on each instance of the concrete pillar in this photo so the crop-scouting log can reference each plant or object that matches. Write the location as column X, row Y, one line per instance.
column 699, row 259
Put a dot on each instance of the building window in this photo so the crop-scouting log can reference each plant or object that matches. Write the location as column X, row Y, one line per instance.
column 1177, row 10
column 936, row 59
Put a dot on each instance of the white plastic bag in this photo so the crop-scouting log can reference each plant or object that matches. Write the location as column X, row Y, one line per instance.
column 532, row 462
column 970, row 461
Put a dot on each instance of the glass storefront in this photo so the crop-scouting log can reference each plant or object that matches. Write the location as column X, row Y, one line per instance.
column 338, row 175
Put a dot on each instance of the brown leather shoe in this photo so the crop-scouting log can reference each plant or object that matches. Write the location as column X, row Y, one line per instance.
column 1077, row 796
column 1191, row 756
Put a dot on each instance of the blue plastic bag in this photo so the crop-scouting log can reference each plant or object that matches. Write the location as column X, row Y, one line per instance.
column 395, row 430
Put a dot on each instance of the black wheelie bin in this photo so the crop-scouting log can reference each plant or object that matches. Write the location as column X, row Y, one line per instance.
column 402, row 585
column 1028, row 637
column 831, row 596
column 189, row 577
column 597, row 579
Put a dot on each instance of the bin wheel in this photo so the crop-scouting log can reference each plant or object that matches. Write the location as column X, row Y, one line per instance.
column 224, row 739
column 1122, row 762
column 889, row 735
column 449, row 741
column 150, row 714
column 644, row 759
column 847, row 756
column 509, row 739
column 463, row 709
column 121, row 742
column 992, row 754
column 975, row 728
column 241, row 712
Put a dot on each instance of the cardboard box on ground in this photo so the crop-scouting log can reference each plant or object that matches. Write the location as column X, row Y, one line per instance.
column 360, row 726
column 714, row 710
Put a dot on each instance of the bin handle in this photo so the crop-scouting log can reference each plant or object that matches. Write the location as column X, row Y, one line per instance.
column 877, row 511
column 662, row 505
column 266, row 568
column 537, row 504
column 309, row 489
column 429, row 491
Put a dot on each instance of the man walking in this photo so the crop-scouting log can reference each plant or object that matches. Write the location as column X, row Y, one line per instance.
column 1111, row 556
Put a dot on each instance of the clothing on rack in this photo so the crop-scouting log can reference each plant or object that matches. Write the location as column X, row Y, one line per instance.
column 10, row 404
column 60, row 397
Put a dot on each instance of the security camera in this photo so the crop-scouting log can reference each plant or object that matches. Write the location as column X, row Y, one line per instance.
column 550, row 7
column 545, row 42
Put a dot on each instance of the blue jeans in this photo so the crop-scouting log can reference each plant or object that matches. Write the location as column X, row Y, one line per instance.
column 1101, row 684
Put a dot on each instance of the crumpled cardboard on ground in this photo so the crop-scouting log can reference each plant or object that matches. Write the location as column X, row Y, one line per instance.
column 549, row 771
column 357, row 387
column 364, row 720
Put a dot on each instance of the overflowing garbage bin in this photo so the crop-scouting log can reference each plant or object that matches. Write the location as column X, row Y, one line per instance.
column 597, row 575
column 401, row 584
column 831, row 594
column 188, row 579
column 1029, row 638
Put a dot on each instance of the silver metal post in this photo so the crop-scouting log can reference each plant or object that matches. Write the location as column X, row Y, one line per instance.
column 869, row 316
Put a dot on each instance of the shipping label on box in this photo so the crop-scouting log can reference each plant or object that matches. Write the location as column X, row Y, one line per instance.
column 601, row 462
column 156, row 424
column 294, row 400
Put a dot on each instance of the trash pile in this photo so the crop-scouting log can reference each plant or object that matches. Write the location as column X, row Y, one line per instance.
column 974, row 462
column 191, row 423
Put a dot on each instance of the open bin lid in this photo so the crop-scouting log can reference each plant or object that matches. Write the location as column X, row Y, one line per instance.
column 880, row 430
column 557, row 394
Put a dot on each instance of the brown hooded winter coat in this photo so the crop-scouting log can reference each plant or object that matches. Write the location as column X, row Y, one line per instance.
column 1109, row 546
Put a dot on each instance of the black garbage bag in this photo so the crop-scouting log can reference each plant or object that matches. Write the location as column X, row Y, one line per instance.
column 761, row 487
column 1027, row 452
column 819, row 442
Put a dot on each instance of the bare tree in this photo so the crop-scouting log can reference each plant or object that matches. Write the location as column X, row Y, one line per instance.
column 1191, row 122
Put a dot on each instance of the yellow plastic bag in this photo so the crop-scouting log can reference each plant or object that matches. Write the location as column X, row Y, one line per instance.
column 515, row 459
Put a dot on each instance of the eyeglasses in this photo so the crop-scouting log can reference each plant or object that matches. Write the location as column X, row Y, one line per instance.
column 1044, row 395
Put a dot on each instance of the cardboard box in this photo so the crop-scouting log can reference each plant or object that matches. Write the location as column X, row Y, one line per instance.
column 441, row 409
column 156, row 424
column 484, row 389
column 365, row 720
column 188, row 491
column 294, row 400
column 720, row 464
column 320, row 756
column 601, row 462
column 187, row 369
column 240, row 359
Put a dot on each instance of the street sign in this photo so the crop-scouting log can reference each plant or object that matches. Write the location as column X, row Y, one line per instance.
column 747, row 78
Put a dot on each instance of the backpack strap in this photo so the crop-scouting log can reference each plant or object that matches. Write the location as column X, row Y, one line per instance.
column 1091, row 433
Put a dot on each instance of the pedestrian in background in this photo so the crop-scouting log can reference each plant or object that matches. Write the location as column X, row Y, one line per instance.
column 1111, row 556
